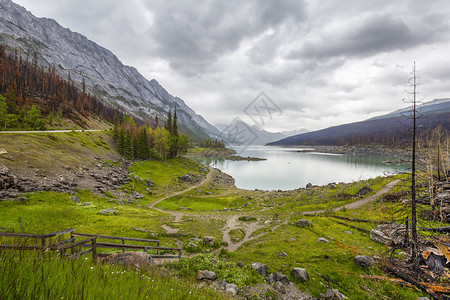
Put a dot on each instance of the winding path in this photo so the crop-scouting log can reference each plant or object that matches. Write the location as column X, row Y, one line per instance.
column 232, row 221
column 178, row 215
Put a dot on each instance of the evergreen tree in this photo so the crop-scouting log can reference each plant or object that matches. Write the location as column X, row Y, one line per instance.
column 128, row 150
column 3, row 112
column 120, row 140
column 157, row 121
column 169, row 122
column 143, row 145
column 115, row 132
column 11, row 100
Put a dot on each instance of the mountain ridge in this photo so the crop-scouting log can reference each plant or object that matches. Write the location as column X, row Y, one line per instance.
column 106, row 77
column 388, row 129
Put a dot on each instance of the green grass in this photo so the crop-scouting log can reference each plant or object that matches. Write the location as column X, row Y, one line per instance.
column 28, row 276
column 195, row 203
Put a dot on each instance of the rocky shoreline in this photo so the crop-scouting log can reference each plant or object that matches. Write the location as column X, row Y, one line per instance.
column 360, row 150
column 100, row 178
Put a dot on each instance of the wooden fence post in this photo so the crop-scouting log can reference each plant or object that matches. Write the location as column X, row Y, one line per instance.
column 94, row 250
column 123, row 243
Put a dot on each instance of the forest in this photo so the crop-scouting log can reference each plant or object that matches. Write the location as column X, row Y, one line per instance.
column 32, row 92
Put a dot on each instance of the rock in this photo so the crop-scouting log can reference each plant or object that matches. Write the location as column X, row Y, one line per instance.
column 309, row 186
column 4, row 170
column 108, row 212
column 86, row 204
column 149, row 183
column 281, row 278
column 423, row 298
column 240, row 264
column 365, row 190
column 282, row 254
column 333, row 186
column 299, row 274
column 139, row 260
column 185, row 177
column 136, row 178
column 363, row 261
column 206, row 275
column 231, row 288
column 348, row 232
column 3, row 151
column 209, row 240
column 75, row 199
column 195, row 240
column 324, row 240
column 334, row 294
column 303, row 223
column 260, row 268
column 192, row 245
column 389, row 234
column 149, row 191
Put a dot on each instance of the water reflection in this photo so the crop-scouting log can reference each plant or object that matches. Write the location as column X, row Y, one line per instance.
column 291, row 168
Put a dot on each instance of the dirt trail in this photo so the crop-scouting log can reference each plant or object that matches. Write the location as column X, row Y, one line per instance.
column 208, row 177
column 232, row 221
column 360, row 203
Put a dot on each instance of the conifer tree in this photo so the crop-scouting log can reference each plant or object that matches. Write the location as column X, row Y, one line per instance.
column 143, row 145
column 128, row 151
column 120, row 140
column 169, row 122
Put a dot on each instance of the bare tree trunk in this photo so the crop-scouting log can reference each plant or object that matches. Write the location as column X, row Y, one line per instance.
column 414, row 250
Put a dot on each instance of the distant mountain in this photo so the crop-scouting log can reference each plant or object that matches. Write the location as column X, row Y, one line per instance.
column 239, row 132
column 105, row 76
column 388, row 129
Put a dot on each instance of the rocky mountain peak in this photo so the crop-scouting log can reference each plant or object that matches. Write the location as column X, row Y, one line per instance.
column 105, row 75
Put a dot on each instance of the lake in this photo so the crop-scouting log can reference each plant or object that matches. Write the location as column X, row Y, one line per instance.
column 287, row 168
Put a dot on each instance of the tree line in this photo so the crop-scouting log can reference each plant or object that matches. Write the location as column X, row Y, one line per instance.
column 143, row 142
column 27, row 86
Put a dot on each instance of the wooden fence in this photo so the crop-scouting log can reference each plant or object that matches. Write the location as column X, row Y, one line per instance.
column 46, row 242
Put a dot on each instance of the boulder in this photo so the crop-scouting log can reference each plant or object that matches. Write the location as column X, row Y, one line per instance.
column 309, row 186
column 278, row 277
column 282, row 254
column 192, row 245
column 75, row 199
column 4, row 170
column 206, row 275
column 209, row 240
column 365, row 190
column 260, row 268
column 185, row 177
column 363, row 261
column 323, row 240
column 86, row 204
column 303, row 223
column 299, row 274
column 131, row 259
column 240, row 264
column 334, row 294
column 149, row 183
column 108, row 212
column 389, row 234
column 231, row 288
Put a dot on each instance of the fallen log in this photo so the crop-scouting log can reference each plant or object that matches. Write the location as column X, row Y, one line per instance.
column 420, row 285
column 358, row 228
column 357, row 220
column 437, row 229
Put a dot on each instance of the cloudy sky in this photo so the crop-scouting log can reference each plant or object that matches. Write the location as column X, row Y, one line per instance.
column 323, row 63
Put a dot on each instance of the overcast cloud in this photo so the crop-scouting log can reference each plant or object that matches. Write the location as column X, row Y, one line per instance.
column 323, row 63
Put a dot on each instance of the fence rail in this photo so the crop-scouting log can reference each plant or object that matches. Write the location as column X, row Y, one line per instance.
column 91, row 243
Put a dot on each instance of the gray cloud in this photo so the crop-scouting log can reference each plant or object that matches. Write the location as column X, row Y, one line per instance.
column 192, row 35
column 323, row 62
column 374, row 35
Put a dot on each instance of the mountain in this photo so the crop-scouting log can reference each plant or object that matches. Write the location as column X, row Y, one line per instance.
column 388, row 129
column 239, row 132
column 104, row 74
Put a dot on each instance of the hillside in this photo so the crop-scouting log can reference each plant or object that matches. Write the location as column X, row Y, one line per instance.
column 104, row 75
column 389, row 129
